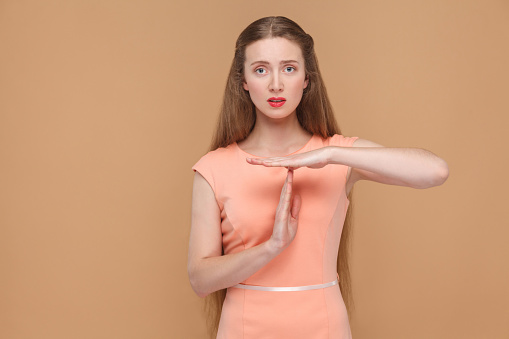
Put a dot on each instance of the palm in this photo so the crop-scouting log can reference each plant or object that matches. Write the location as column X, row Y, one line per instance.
column 313, row 159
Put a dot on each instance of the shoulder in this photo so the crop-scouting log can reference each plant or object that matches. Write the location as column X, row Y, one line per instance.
column 213, row 165
column 217, row 155
column 215, row 161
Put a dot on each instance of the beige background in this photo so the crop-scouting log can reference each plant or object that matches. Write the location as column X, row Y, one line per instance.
column 106, row 105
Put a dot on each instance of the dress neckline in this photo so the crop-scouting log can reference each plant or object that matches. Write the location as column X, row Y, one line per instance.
column 258, row 156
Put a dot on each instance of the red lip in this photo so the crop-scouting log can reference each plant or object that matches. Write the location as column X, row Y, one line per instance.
column 276, row 103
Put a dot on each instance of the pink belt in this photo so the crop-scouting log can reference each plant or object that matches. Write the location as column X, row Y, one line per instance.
column 289, row 288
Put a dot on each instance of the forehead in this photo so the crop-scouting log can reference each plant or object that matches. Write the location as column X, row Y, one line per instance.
column 273, row 50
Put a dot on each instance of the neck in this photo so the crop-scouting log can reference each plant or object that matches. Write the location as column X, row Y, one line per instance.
column 277, row 134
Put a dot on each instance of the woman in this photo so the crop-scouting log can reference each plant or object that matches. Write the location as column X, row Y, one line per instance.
column 270, row 198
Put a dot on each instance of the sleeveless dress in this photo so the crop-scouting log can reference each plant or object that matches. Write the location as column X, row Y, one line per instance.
column 248, row 196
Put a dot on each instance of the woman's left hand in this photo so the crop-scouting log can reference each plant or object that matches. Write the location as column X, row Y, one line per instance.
column 317, row 158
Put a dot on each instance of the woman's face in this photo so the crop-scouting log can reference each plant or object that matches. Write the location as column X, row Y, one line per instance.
column 274, row 68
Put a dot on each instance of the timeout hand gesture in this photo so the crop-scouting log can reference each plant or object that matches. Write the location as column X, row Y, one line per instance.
column 287, row 216
column 317, row 158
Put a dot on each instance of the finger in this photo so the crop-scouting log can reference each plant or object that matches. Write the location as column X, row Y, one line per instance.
column 269, row 162
column 288, row 195
column 283, row 191
column 284, row 164
column 257, row 161
column 275, row 158
column 254, row 161
column 275, row 163
column 297, row 202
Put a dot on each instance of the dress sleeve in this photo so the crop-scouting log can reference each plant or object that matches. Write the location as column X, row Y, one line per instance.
column 204, row 167
column 207, row 167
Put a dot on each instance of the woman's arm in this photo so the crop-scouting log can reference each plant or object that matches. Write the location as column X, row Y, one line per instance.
column 412, row 167
column 208, row 270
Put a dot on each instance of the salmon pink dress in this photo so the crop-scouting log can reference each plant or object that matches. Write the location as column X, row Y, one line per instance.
column 248, row 196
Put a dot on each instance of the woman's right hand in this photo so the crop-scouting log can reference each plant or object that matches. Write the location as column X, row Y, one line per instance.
column 286, row 223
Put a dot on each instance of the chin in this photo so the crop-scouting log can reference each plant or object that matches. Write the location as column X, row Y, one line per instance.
column 277, row 114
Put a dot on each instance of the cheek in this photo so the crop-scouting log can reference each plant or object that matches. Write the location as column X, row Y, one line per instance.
column 297, row 87
column 256, row 89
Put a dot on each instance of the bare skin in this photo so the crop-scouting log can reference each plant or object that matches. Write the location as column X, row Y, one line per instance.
column 287, row 215
column 275, row 68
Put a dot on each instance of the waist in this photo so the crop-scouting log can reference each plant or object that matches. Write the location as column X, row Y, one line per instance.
column 287, row 288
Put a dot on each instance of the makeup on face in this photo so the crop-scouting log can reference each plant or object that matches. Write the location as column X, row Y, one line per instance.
column 276, row 101
column 274, row 76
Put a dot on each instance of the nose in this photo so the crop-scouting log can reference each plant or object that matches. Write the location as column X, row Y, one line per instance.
column 276, row 85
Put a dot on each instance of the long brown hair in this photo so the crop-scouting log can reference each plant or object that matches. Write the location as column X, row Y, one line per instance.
column 237, row 118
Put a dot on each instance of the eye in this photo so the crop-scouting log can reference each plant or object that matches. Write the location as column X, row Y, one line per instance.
column 258, row 69
column 290, row 67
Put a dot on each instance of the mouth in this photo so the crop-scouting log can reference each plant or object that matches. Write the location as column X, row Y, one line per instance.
column 276, row 102
column 278, row 99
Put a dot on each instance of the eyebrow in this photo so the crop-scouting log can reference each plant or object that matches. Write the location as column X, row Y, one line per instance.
column 266, row 62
